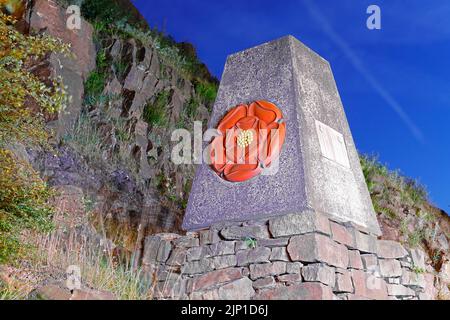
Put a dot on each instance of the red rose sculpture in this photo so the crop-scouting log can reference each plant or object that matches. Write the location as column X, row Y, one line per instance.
column 251, row 137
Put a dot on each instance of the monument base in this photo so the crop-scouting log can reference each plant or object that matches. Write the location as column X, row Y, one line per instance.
column 302, row 257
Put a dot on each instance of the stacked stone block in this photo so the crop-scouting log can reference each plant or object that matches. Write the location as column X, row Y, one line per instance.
column 300, row 256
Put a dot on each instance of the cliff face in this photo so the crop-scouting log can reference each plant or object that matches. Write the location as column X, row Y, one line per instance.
column 113, row 140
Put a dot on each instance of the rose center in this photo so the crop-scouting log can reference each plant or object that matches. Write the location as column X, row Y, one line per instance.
column 245, row 138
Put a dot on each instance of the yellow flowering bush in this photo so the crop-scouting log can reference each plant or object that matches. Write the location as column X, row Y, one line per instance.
column 18, row 84
column 23, row 204
column 24, row 99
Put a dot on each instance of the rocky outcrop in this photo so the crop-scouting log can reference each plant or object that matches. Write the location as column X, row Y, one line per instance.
column 46, row 17
column 105, row 144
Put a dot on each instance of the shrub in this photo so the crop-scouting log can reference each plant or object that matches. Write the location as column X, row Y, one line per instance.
column 411, row 191
column 23, row 203
column 105, row 10
column 207, row 91
column 96, row 81
column 155, row 113
column 94, row 84
column 18, row 84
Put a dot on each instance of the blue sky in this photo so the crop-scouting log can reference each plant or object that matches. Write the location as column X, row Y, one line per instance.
column 394, row 82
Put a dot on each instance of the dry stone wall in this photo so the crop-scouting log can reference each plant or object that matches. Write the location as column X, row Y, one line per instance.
column 301, row 256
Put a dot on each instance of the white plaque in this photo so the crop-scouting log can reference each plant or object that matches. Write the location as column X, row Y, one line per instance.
column 332, row 144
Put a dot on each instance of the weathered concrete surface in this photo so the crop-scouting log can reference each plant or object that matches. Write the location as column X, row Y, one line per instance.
column 301, row 84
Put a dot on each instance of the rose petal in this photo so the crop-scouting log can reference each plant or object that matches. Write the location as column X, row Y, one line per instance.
column 232, row 117
column 247, row 123
column 217, row 154
column 241, row 172
column 265, row 111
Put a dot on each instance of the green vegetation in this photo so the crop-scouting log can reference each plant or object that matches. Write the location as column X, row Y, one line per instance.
column 96, row 81
column 155, row 113
column 191, row 108
column 418, row 270
column 251, row 242
column 23, row 195
column 383, row 183
column 207, row 91
column 86, row 139
column 108, row 18
column 18, row 84
column 400, row 199
column 23, row 204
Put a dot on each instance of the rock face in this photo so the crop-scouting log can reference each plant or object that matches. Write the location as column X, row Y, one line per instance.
column 106, row 144
column 51, row 19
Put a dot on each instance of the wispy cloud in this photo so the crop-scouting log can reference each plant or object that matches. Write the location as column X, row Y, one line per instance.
column 361, row 68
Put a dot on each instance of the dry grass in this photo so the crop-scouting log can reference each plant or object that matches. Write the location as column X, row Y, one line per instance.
column 67, row 246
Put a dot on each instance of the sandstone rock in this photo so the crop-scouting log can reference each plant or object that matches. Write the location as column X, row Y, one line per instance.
column 294, row 267
column 267, row 269
column 222, row 248
column 52, row 292
column 390, row 268
column 297, row 224
column 151, row 248
column 390, row 250
column 164, row 251
column 412, row 279
column 406, row 264
column 241, row 289
column 196, row 253
column 197, row 267
column 319, row 273
column 58, row 291
column 393, row 280
column 215, row 278
column 444, row 274
column 165, row 273
column 241, row 245
column 186, row 242
column 208, row 295
column 399, row 290
column 341, row 235
column 209, row 236
column 343, row 282
column 370, row 262
column 242, row 232
column 177, row 257
column 354, row 259
column 264, row 283
column 221, row 262
column 303, row 291
column 52, row 19
column 279, row 254
column 88, row 294
column 270, row 243
column 318, row 248
column 290, row 278
column 257, row 255
column 368, row 286
column 170, row 289
column 418, row 258
column 364, row 242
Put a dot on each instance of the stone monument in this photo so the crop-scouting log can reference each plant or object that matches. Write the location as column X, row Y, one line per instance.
column 318, row 168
